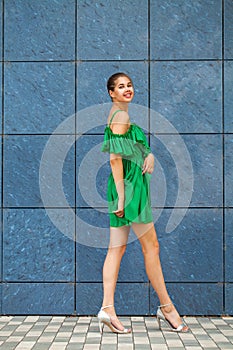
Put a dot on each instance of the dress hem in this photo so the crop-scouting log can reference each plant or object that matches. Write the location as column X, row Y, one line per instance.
column 134, row 222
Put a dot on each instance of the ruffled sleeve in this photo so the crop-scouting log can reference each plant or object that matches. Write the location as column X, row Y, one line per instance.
column 126, row 144
column 118, row 143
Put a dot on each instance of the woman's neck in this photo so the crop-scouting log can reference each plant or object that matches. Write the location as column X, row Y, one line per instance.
column 121, row 105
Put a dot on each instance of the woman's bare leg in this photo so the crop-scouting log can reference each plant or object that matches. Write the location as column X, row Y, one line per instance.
column 150, row 248
column 116, row 250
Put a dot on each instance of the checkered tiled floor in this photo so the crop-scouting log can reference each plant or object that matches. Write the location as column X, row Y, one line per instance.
column 76, row 333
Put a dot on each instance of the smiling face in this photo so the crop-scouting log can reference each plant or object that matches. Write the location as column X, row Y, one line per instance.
column 123, row 90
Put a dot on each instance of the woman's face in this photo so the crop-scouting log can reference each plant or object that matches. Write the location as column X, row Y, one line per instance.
column 123, row 91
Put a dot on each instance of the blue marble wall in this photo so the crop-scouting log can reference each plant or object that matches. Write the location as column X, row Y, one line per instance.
column 55, row 59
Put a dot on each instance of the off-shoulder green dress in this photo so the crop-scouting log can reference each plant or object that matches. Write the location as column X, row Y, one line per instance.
column 133, row 147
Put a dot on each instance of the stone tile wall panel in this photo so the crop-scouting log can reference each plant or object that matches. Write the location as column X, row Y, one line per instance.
column 34, row 244
column 229, row 299
column 37, row 31
column 204, row 168
column 186, row 30
column 21, row 171
column 228, row 170
column 228, row 96
column 92, row 89
column 112, row 31
column 203, row 298
column 228, row 29
column 37, row 298
column 188, row 94
column 228, row 244
column 131, row 298
column 38, row 96
column 185, row 252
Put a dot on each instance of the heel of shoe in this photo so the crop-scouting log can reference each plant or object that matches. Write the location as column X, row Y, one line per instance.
column 103, row 318
column 101, row 326
column 159, row 322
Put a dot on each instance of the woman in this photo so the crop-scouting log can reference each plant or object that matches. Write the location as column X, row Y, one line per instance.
column 129, row 205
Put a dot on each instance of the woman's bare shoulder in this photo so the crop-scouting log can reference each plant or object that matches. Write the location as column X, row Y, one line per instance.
column 118, row 116
column 120, row 122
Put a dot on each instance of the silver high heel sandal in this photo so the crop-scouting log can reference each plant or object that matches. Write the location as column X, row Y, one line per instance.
column 160, row 316
column 104, row 318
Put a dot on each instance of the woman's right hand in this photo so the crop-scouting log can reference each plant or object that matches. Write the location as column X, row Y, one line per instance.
column 120, row 210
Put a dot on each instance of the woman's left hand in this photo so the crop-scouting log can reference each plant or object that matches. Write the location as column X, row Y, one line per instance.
column 148, row 166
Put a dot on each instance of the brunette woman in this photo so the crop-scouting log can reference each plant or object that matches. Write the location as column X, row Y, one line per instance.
column 128, row 194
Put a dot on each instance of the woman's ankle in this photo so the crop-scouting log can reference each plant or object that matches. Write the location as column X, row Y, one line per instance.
column 109, row 309
column 167, row 308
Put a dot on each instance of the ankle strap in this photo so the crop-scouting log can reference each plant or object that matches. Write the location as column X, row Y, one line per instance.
column 164, row 305
column 105, row 307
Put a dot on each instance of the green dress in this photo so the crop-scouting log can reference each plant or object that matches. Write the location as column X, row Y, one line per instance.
column 133, row 147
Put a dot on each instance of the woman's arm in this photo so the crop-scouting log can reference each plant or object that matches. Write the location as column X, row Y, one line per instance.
column 119, row 126
column 117, row 172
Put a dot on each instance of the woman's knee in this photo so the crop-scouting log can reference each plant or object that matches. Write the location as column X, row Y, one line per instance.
column 117, row 250
column 150, row 245
column 150, row 249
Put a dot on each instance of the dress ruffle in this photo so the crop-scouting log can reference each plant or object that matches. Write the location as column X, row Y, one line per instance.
column 124, row 144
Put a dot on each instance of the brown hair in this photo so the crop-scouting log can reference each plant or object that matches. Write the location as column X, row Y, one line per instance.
column 111, row 83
